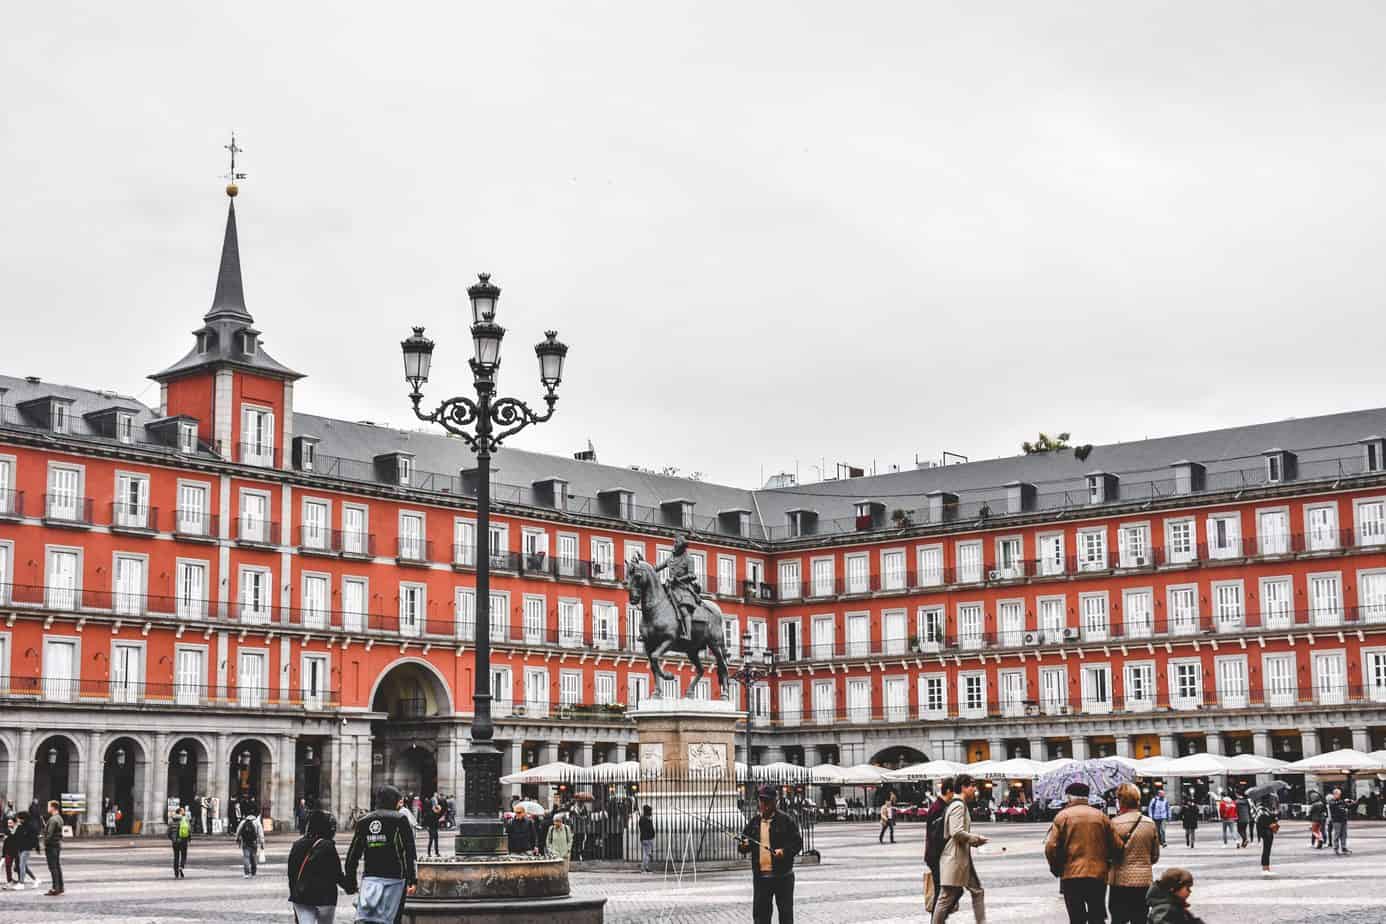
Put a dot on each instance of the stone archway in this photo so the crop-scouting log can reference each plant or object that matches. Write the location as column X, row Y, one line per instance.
column 125, row 767
column 58, row 768
column 189, row 776
column 250, row 782
column 898, row 756
column 415, row 772
column 411, row 688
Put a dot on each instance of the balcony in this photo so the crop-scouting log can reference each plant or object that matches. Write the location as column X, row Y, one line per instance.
column 318, row 540
column 196, row 524
column 11, row 505
column 260, row 455
column 256, row 533
column 59, row 689
column 410, row 550
column 134, row 518
column 67, row 510
column 353, row 543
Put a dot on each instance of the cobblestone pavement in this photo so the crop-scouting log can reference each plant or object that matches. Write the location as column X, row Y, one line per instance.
column 858, row 881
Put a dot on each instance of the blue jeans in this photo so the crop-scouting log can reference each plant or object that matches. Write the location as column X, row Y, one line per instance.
column 646, row 856
column 248, row 860
column 1160, row 830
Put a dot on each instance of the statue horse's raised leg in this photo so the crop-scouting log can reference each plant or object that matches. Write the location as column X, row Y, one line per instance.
column 655, row 654
column 721, row 658
column 697, row 668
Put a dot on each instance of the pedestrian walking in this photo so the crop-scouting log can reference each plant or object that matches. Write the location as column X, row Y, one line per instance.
column 647, row 839
column 7, row 850
column 520, row 832
column 1227, row 814
column 956, row 869
column 1169, row 898
column 432, row 818
column 179, row 834
column 887, row 819
column 934, row 842
column 1137, row 852
column 559, row 841
column 300, row 816
column 1159, row 813
column 384, row 839
column 25, row 841
column 1078, row 847
column 1318, row 814
column 53, row 848
column 1340, row 809
column 1243, row 817
column 251, row 841
column 315, row 871
column 1267, row 825
column 108, row 817
column 772, row 841
column 1188, row 817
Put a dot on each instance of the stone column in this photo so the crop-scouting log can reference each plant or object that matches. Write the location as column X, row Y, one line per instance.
column 1080, row 747
column 154, row 820
column 285, row 771
column 1309, row 741
column 95, row 782
column 585, row 754
column 997, row 748
column 1214, row 743
column 24, row 785
column 219, row 773
column 334, row 801
column 1361, row 741
column 517, row 759
column 1037, row 749
column 1261, row 747
column 360, row 771
column 810, row 755
column 448, row 764
column 1123, row 745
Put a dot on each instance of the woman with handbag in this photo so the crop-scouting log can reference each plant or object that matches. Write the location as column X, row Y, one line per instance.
column 1267, row 824
column 1131, row 874
column 315, row 872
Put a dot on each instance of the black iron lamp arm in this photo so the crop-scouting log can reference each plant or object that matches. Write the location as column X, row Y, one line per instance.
column 454, row 415
column 513, row 415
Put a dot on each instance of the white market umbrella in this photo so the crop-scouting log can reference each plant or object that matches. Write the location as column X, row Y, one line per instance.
column 863, row 775
column 1152, row 766
column 1346, row 760
column 1196, row 765
column 930, row 770
column 1131, row 762
column 742, row 772
column 1255, row 763
column 1017, row 768
column 626, row 771
column 780, row 772
column 556, row 772
column 980, row 768
column 827, row 774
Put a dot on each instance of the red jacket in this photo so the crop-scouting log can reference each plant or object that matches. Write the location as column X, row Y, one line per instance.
column 1227, row 811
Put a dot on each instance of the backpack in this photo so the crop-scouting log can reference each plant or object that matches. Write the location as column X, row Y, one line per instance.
column 184, row 829
column 934, row 842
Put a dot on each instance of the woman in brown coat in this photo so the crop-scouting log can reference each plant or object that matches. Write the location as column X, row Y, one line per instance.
column 1131, row 874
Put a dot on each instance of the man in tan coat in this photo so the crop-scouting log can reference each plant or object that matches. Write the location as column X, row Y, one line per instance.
column 956, row 871
column 1079, row 850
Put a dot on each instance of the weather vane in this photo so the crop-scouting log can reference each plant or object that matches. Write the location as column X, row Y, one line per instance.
column 233, row 176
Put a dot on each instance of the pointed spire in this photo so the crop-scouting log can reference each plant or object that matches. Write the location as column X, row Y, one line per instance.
column 229, row 300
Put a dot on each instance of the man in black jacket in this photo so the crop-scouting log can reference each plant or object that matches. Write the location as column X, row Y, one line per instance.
column 772, row 840
column 385, row 839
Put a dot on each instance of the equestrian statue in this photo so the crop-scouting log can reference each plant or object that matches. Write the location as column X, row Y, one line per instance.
column 676, row 617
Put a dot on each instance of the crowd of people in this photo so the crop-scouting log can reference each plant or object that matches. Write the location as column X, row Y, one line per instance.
column 22, row 834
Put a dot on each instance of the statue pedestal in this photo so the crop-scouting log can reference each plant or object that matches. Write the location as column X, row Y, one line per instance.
column 687, row 736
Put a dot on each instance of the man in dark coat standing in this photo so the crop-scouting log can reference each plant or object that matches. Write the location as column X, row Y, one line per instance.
column 772, row 840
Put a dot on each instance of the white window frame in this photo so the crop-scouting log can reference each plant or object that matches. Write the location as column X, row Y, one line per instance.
column 858, row 712
column 791, row 639
column 894, row 569
column 1272, row 542
column 246, row 612
column 1095, row 616
column 413, row 608
column 570, row 688
column 68, row 509
column 970, row 617
column 604, row 688
column 1010, row 690
column 1329, row 690
column 193, row 522
column 1234, row 695
column 1181, row 625
column 127, row 686
column 969, row 572
column 1092, row 549
column 356, row 541
column 351, row 620
column 791, row 694
column 1092, row 704
column 249, row 696
column 1053, row 690
column 1277, row 617
column 895, row 631
column 570, row 619
column 603, row 559
column 931, row 627
column 1323, row 537
column 1135, row 703
column 320, row 537
column 726, row 575
column 1325, row 612
column 1229, row 605
column 606, row 625
column 1050, row 552
column 1373, row 674
column 253, row 529
column 1368, row 532
column 972, row 707
column 1181, row 532
column 930, row 567
column 929, row 709
column 1229, row 544
column 129, row 601
column 316, row 617
column 254, row 452
column 412, row 547
column 1051, row 634
column 126, row 514
column 188, row 692
column 1133, row 626
column 314, row 700
column 895, row 698
column 856, row 573
column 822, row 577
column 1178, row 699
column 62, row 689
column 1133, row 544
column 536, row 680
column 1010, row 557
column 1371, row 600
column 790, row 572
column 858, row 644
column 534, row 618
column 824, row 702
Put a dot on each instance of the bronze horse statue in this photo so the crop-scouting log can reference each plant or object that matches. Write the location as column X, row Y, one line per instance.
column 659, row 625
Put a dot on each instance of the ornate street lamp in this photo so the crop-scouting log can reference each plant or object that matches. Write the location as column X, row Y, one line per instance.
column 52, row 756
column 245, row 758
column 748, row 676
column 308, row 753
column 483, row 424
column 182, row 757
column 120, row 757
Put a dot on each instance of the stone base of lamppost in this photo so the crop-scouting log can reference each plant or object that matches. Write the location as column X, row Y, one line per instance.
column 480, row 832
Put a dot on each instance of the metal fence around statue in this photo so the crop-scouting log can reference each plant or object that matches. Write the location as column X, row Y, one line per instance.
column 697, row 818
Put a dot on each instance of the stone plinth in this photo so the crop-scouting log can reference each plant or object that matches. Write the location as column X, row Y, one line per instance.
column 498, row 890
column 687, row 736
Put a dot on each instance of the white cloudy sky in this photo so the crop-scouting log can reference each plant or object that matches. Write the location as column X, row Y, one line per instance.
column 773, row 233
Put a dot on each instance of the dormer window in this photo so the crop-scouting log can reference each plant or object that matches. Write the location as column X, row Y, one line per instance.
column 1373, row 450
column 248, row 342
column 187, row 437
column 125, row 428
column 406, row 471
column 202, row 341
column 1102, row 487
column 308, row 457
column 1280, row 466
column 60, row 418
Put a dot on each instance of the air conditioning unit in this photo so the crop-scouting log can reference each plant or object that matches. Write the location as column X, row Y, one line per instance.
column 1062, row 710
column 1033, row 638
column 995, row 574
column 1070, row 635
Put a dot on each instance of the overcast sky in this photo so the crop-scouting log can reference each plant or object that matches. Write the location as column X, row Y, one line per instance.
column 772, row 233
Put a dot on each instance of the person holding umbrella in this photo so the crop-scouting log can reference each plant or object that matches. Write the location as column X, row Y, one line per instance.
column 1267, row 824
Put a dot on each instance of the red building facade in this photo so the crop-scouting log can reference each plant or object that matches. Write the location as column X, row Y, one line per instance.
column 224, row 596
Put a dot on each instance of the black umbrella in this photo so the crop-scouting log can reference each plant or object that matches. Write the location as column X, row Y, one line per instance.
column 1273, row 788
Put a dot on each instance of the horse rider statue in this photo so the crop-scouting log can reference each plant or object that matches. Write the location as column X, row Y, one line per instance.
column 682, row 585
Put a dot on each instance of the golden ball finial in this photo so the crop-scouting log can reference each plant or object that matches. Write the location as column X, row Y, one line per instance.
column 231, row 190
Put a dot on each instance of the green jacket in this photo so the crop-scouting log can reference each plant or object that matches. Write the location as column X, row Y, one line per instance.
column 1166, row 909
column 560, row 841
column 53, row 833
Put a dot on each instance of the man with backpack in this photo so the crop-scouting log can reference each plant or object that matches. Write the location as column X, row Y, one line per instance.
column 179, row 833
column 933, row 841
column 251, row 842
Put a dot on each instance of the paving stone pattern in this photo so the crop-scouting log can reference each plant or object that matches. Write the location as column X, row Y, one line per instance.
column 859, row 881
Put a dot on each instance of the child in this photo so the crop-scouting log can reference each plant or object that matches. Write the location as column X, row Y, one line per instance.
column 1168, row 898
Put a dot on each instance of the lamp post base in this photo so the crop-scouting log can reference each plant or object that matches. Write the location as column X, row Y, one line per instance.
column 480, row 832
